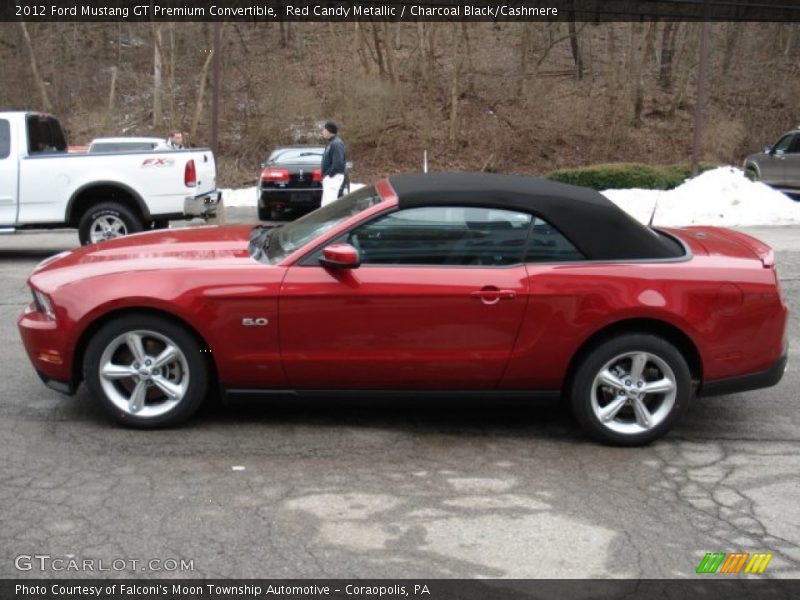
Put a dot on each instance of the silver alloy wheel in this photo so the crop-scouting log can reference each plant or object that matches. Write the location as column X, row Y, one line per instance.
column 633, row 392
column 107, row 227
column 144, row 373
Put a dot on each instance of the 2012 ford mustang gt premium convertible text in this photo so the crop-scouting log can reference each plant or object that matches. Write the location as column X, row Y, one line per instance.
column 443, row 283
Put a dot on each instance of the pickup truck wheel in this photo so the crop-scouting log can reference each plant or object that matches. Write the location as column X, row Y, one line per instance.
column 147, row 371
column 631, row 389
column 263, row 213
column 107, row 221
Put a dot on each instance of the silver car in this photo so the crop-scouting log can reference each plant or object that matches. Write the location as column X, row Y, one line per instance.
column 778, row 165
column 127, row 144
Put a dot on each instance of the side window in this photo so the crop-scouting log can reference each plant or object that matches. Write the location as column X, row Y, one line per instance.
column 439, row 235
column 44, row 135
column 547, row 244
column 783, row 144
column 5, row 138
column 794, row 148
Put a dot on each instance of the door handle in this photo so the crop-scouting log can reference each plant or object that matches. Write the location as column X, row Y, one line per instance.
column 492, row 295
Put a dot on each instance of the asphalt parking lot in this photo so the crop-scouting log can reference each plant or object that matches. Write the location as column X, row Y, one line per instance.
column 380, row 489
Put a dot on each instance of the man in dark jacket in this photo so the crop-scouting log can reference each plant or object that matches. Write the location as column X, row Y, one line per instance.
column 333, row 163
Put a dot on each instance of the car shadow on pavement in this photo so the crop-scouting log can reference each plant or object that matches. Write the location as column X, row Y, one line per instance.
column 30, row 253
column 491, row 416
column 546, row 419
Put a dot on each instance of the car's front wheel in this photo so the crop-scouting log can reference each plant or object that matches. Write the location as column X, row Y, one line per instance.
column 631, row 389
column 146, row 370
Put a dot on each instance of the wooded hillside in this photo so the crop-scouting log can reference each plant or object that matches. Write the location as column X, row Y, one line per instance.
column 506, row 97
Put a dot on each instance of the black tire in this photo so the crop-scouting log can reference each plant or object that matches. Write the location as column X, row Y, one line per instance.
column 161, row 224
column 752, row 174
column 276, row 213
column 110, row 212
column 589, row 396
column 186, row 373
column 263, row 213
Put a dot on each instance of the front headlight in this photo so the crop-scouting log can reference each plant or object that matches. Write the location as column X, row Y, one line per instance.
column 43, row 304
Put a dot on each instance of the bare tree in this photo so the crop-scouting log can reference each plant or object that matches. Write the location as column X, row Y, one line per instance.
column 685, row 63
column 378, row 52
column 391, row 61
column 612, row 75
column 361, row 49
column 573, row 41
column 46, row 106
column 638, row 74
column 157, row 87
column 112, row 94
column 458, row 66
column 427, row 54
column 524, row 53
column 201, row 90
column 669, row 35
column 172, row 73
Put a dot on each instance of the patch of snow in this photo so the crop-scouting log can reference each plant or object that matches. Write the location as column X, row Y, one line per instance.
column 722, row 197
column 249, row 196
column 240, row 197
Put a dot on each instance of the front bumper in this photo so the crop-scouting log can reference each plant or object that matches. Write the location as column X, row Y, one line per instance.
column 745, row 383
column 203, row 205
column 290, row 197
column 48, row 347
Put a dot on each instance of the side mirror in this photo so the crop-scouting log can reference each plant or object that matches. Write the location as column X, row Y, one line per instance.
column 767, row 149
column 340, row 256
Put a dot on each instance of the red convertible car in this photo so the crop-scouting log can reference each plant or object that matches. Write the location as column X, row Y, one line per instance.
column 437, row 283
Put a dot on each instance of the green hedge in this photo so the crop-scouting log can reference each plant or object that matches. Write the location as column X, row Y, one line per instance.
column 627, row 175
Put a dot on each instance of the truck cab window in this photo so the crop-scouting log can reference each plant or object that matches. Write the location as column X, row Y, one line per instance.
column 45, row 135
column 5, row 139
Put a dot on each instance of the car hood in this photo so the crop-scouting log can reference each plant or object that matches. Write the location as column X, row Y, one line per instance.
column 169, row 249
column 755, row 156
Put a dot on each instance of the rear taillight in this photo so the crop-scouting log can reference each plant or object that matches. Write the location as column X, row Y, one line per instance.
column 316, row 175
column 190, row 175
column 276, row 175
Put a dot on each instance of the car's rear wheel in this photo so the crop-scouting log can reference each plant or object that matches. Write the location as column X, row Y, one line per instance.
column 752, row 173
column 107, row 221
column 263, row 213
column 146, row 370
column 630, row 390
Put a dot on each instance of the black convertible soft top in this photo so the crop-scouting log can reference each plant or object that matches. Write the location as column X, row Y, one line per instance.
column 595, row 225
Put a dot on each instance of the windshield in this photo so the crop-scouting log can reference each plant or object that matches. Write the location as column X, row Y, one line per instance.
column 306, row 156
column 287, row 239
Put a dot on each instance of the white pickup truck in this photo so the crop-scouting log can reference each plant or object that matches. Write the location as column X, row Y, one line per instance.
column 102, row 195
